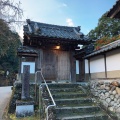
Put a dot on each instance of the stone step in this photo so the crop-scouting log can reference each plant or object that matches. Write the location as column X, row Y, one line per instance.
column 53, row 90
column 77, row 110
column 61, row 85
column 65, row 93
column 97, row 116
column 73, row 102
column 71, row 95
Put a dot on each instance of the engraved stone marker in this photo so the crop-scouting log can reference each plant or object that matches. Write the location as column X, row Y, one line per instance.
column 25, row 107
column 25, row 82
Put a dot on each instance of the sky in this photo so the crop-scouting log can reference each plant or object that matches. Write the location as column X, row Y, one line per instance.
column 84, row 13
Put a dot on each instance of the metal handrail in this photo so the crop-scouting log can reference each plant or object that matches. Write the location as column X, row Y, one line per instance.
column 54, row 104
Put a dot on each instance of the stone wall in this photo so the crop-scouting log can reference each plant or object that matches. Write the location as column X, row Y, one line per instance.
column 108, row 93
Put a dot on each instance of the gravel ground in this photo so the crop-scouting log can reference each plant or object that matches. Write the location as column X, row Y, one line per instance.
column 5, row 93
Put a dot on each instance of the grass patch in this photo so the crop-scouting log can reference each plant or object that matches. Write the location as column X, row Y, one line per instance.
column 35, row 117
column 9, row 113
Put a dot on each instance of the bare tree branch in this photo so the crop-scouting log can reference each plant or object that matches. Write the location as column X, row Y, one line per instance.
column 10, row 11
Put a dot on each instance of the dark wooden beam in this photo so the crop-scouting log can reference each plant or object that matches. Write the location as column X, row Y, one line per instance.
column 89, row 69
column 27, row 54
column 58, row 40
column 115, row 11
column 105, row 65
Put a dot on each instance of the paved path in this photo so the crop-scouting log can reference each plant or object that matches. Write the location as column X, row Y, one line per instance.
column 5, row 93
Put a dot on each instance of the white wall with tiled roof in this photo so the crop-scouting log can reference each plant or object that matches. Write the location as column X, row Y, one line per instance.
column 97, row 65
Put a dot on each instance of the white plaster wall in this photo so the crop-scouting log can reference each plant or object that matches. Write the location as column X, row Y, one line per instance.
column 97, row 64
column 113, row 60
column 77, row 66
column 86, row 66
column 32, row 66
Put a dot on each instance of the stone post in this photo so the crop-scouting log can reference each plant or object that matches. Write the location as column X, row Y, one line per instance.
column 25, row 82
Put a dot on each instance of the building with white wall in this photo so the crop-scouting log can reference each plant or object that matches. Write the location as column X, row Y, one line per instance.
column 103, row 63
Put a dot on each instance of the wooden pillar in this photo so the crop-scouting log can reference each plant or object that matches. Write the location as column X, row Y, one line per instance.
column 36, row 62
column 38, row 78
column 73, row 67
column 83, row 70
column 36, row 89
column 39, row 65
column 89, row 68
column 19, row 72
column 105, row 65
column 80, row 70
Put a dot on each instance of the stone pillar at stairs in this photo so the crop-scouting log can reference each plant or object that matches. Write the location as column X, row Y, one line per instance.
column 25, row 106
column 25, row 82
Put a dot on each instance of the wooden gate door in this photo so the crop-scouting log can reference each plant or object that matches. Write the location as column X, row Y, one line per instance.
column 49, row 65
column 63, row 65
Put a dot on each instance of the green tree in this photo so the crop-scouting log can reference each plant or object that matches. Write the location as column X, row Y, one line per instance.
column 8, row 54
column 106, row 27
column 7, row 38
column 9, row 61
column 10, row 12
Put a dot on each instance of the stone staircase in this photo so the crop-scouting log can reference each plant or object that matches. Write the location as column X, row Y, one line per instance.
column 74, row 104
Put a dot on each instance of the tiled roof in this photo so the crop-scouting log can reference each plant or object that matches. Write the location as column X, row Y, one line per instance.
column 105, row 48
column 114, row 11
column 25, row 49
column 53, row 31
